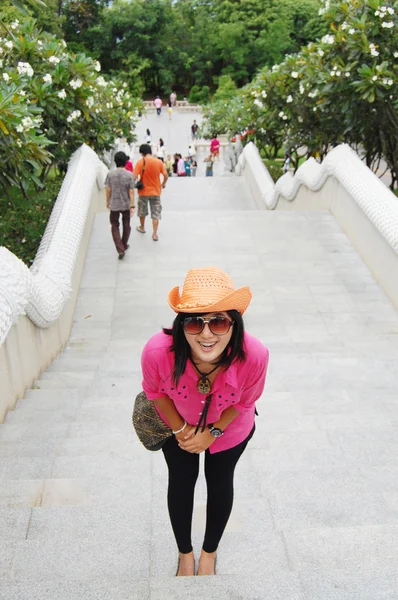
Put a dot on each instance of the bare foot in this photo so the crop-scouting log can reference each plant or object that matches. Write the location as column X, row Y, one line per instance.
column 207, row 563
column 186, row 565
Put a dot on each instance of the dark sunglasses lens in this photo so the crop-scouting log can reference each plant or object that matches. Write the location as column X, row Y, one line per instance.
column 219, row 325
column 193, row 325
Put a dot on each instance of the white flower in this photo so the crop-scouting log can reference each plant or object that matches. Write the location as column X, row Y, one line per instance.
column 390, row 82
column 347, row 73
column 301, row 88
column 25, row 69
column 6, row 77
column 314, row 109
column 390, row 10
column 54, row 60
column 76, row 83
column 63, row 43
column 62, row 94
column 328, row 39
column 22, row 93
column 9, row 44
column 281, row 114
column 294, row 74
column 39, row 43
column 1, row 63
column 19, row 128
column 90, row 101
column 101, row 81
column 351, row 31
column 344, row 25
column 73, row 115
column 258, row 103
column 23, row 241
column 338, row 73
column 373, row 50
column 387, row 25
column 395, row 54
column 264, row 93
column 27, row 123
column 289, row 99
column 374, row 78
column 332, row 73
column 321, row 53
column 97, row 66
column 19, row 143
column 15, row 24
column 47, row 78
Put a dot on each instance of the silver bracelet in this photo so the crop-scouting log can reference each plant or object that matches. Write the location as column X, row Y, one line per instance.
column 179, row 430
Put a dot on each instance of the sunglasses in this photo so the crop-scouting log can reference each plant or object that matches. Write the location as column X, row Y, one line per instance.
column 217, row 325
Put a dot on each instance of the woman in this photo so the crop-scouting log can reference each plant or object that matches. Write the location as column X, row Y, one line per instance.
column 181, row 167
column 148, row 137
column 215, row 147
column 209, row 162
column 204, row 376
column 161, row 151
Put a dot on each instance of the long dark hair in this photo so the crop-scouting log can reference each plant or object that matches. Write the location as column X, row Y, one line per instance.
column 182, row 350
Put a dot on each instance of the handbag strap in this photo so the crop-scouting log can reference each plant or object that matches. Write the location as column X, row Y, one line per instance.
column 143, row 170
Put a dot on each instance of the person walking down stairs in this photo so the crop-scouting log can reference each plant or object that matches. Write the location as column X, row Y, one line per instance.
column 152, row 176
column 119, row 185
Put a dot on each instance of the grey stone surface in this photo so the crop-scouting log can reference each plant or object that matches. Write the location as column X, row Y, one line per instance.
column 82, row 560
column 266, row 586
column 21, row 493
column 316, row 498
column 100, row 588
column 14, row 523
column 350, row 585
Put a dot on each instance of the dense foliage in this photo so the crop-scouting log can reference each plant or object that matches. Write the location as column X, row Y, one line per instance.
column 343, row 88
column 177, row 44
column 51, row 101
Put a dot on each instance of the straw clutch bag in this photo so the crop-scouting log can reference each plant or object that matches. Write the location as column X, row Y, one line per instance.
column 149, row 427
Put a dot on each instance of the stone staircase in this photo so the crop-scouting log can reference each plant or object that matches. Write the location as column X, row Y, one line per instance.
column 83, row 506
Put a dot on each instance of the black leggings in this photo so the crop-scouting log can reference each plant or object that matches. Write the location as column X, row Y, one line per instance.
column 183, row 472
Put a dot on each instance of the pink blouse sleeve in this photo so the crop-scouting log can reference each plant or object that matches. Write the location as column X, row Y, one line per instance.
column 254, row 384
column 151, row 376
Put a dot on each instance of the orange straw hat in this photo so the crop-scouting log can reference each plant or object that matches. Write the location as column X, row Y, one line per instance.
column 209, row 290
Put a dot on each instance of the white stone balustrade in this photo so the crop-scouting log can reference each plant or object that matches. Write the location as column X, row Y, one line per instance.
column 365, row 208
column 43, row 296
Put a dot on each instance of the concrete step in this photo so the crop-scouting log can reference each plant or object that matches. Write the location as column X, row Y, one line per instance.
column 48, row 395
column 44, row 416
column 64, row 379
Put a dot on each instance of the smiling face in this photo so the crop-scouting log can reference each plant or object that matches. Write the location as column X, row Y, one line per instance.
column 206, row 347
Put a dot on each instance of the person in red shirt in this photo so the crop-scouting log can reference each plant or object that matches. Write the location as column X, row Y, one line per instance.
column 215, row 147
column 129, row 165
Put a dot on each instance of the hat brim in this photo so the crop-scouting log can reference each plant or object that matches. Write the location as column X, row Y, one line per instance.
column 237, row 300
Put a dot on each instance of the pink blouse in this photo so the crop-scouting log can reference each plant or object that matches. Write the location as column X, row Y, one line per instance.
column 239, row 386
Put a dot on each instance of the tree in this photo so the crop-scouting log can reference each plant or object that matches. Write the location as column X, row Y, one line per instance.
column 51, row 102
column 343, row 88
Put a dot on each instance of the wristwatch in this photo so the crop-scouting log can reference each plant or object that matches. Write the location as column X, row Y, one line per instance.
column 215, row 431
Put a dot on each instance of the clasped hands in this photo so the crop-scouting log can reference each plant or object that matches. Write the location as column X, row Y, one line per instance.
column 187, row 440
